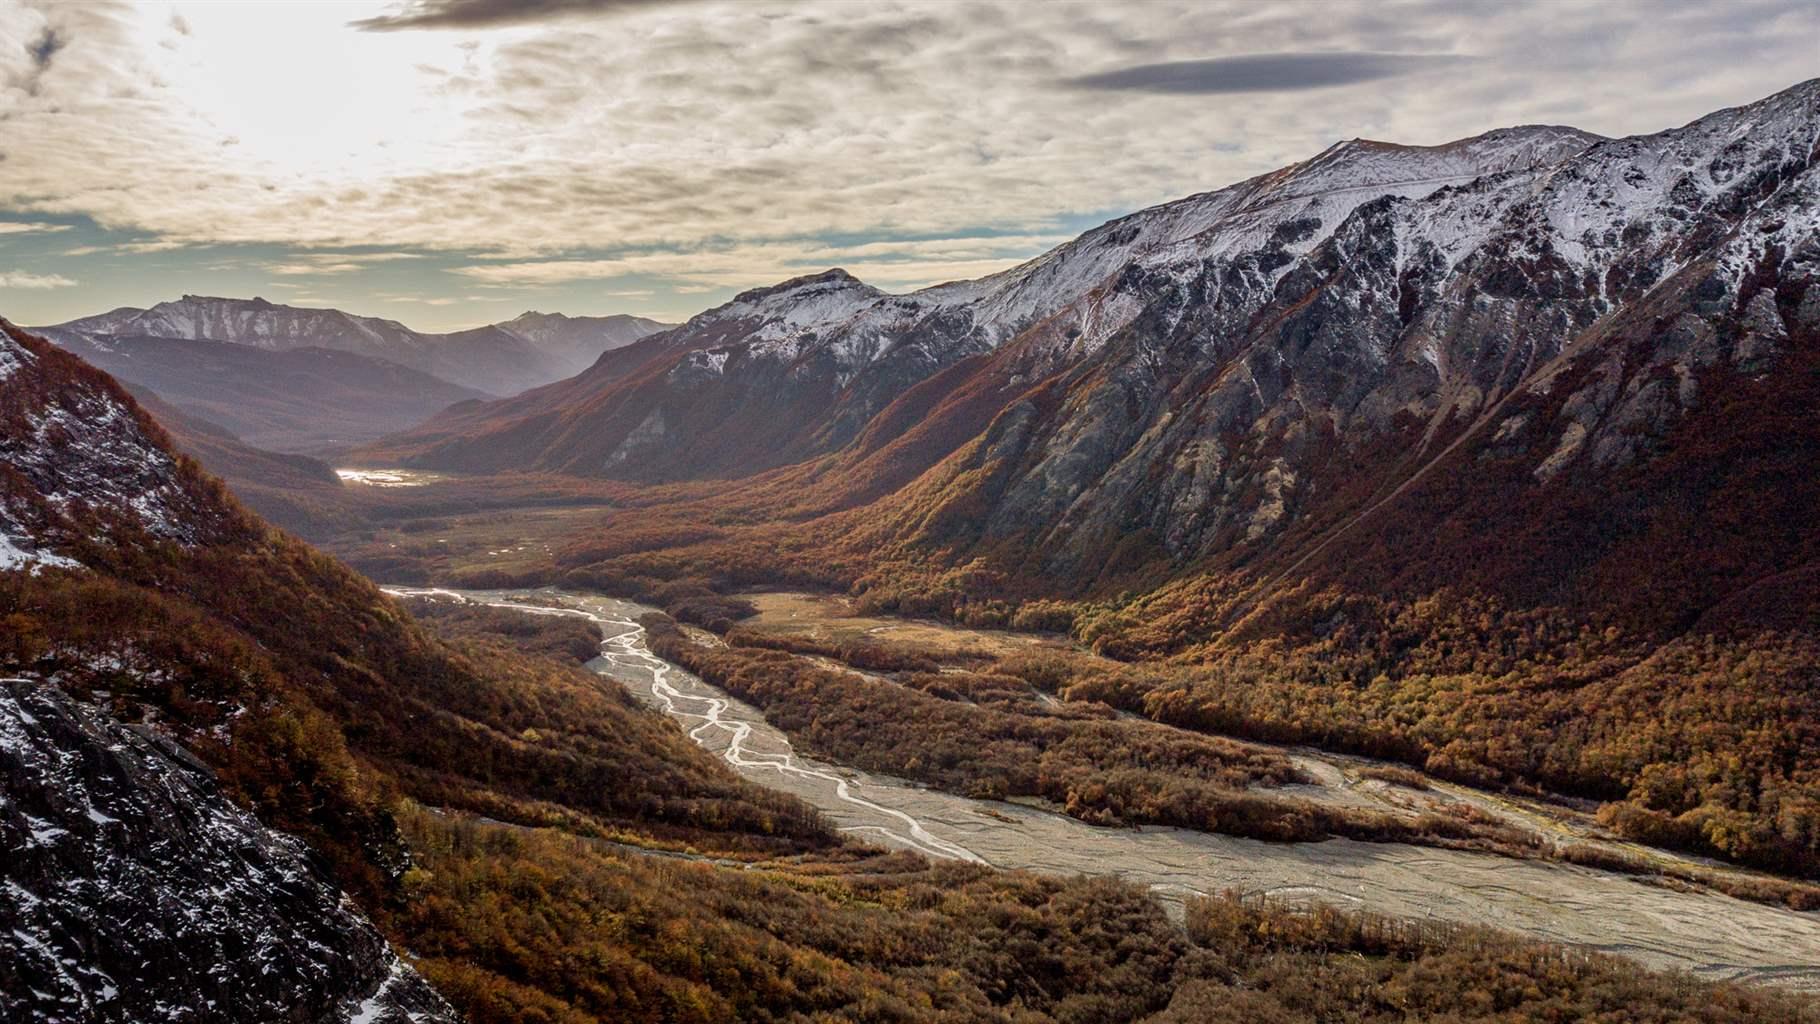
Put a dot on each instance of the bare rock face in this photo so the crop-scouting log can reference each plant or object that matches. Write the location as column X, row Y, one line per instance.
column 1624, row 273
column 80, row 465
column 800, row 368
column 132, row 890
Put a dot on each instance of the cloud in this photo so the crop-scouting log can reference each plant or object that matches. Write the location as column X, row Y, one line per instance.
column 892, row 263
column 709, row 146
column 313, row 263
column 34, row 282
column 45, row 47
column 491, row 13
column 141, row 247
column 19, row 227
column 23, row 68
column 1262, row 72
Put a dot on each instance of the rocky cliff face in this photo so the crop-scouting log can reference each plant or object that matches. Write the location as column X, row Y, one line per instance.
column 1611, row 279
column 132, row 890
column 80, row 465
column 800, row 368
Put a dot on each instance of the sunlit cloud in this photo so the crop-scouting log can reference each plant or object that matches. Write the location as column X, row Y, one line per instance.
column 312, row 263
column 15, row 227
column 586, row 148
column 33, row 282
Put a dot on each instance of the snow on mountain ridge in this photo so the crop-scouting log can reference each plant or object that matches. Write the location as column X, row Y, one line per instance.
column 78, row 450
column 250, row 321
column 854, row 321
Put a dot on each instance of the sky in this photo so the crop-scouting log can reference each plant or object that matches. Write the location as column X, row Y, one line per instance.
column 449, row 163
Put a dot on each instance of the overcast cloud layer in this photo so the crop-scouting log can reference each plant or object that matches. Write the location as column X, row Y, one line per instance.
column 449, row 162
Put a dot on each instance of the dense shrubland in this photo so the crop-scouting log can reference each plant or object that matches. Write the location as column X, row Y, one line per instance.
column 1256, row 963
column 986, row 735
column 538, row 925
column 559, row 637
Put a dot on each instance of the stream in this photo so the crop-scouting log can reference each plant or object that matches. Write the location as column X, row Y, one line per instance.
column 1710, row 935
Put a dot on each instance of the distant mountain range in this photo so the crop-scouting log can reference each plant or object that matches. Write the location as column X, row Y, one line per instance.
column 295, row 379
column 297, row 400
column 498, row 359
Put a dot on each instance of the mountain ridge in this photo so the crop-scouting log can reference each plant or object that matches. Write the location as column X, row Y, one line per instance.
column 829, row 345
column 492, row 359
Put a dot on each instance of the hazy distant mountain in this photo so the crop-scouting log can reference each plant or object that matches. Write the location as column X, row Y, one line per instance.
column 496, row 360
column 577, row 341
column 290, row 400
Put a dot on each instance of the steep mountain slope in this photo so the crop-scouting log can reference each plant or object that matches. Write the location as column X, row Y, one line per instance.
column 100, row 823
column 798, row 369
column 500, row 359
column 1612, row 281
column 134, row 588
column 110, row 834
column 1199, row 378
column 290, row 400
column 1509, row 477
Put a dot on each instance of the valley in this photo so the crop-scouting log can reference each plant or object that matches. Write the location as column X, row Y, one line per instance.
column 1708, row 934
column 1379, row 582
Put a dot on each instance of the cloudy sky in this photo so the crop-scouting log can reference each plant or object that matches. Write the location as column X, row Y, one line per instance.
column 454, row 162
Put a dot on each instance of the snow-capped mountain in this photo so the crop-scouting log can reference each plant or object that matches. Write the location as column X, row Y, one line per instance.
column 798, row 368
column 1623, row 272
column 261, row 324
column 497, row 359
column 1312, row 346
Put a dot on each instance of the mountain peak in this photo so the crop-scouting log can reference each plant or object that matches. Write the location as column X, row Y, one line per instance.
column 826, row 282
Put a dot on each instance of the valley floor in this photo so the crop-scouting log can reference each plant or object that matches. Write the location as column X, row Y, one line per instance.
column 1711, row 935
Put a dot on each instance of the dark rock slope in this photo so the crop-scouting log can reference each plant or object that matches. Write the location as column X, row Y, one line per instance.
column 132, row 890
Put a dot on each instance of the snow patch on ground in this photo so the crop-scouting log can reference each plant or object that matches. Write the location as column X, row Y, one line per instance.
column 14, row 557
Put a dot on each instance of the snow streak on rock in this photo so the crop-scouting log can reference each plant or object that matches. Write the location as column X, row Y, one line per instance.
column 131, row 889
